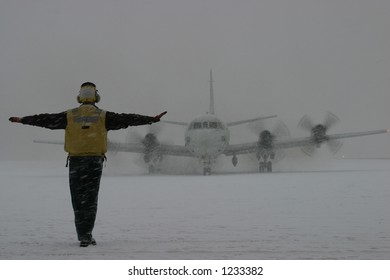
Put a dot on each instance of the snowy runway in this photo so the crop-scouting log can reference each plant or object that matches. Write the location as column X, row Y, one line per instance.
column 340, row 212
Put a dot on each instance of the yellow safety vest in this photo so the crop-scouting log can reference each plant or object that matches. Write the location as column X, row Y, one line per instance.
column 86, row 133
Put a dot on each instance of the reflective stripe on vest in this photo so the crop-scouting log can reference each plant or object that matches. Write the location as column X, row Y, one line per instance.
column 86, row 133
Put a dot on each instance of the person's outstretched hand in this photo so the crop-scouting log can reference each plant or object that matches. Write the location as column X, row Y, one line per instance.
column 15, row 119
column 158, row 117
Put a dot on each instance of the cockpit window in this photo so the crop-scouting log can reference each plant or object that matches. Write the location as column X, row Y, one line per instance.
column 207, row 125
column 197, row 125
column 213, row 125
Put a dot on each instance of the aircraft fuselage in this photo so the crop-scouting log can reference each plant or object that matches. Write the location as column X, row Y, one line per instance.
column 207, row 137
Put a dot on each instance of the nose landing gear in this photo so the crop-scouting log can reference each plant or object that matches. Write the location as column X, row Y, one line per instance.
column 234, row 160
column 265, row 161
column 207, row 162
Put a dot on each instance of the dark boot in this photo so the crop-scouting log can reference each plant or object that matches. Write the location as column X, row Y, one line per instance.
column 86, row 241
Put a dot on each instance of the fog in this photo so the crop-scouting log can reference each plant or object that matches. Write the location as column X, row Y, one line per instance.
column 282, row 57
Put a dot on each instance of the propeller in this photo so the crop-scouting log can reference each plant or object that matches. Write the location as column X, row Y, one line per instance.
column 134, row 136
column 150, row 143
column 267, row 137
column 318, row 133
column 150, row 156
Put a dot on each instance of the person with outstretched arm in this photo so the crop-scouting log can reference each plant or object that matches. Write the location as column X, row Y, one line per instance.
column 86, row 130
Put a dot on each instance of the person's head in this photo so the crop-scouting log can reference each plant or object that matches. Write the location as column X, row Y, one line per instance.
column 88, row 93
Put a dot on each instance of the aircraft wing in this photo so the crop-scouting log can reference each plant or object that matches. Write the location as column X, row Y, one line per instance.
column 247, row 148
column 125, row 147
column 172, row 150
column 49, row 142
column 307, row 141
column 227, row 124
column 112, row 146
column 163, row 149
column 174, row 122
column 250, row 120
column 357, row 134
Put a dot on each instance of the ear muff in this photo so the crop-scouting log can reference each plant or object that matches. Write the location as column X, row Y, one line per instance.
column 97, row 97
column 88, row 94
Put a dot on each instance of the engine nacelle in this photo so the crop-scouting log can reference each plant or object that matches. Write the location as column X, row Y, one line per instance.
column 318, row 134
column 234, row 160
column 266, row 139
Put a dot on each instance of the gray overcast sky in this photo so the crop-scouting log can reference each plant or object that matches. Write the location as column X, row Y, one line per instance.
column 285, row 57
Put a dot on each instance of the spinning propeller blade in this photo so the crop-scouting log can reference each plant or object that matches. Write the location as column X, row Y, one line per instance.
column 319, row 133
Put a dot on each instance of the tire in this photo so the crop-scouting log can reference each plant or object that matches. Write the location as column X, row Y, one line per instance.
column 269, row 166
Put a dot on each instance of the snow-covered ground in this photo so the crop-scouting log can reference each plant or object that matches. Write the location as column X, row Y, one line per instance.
column 336, row 209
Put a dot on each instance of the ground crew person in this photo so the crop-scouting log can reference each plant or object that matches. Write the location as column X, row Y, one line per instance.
column 86, row 144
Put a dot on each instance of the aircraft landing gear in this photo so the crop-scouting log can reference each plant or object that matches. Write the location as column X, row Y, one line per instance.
column 154, row 164
column 206, row 171
column 265, row 162
column 207, row 166
column 265, row 166
column 152, row 169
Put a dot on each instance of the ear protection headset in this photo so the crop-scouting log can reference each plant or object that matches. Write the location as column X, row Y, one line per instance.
column 88, row 93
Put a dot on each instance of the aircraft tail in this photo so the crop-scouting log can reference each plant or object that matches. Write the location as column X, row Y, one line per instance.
column 211, row 109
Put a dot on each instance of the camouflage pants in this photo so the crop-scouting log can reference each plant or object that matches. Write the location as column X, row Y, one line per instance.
column 84, row 180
